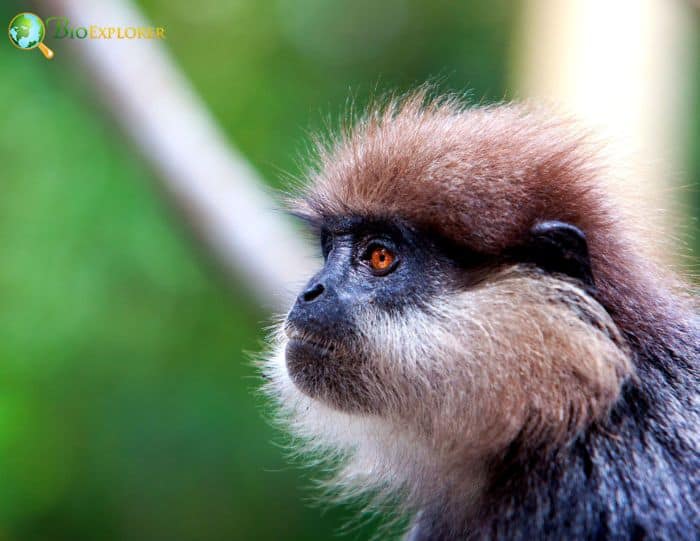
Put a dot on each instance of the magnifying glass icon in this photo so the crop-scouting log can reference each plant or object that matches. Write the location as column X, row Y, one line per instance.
column 27, row 31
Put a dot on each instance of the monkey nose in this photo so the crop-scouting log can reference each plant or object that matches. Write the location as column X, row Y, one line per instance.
column 312, row 293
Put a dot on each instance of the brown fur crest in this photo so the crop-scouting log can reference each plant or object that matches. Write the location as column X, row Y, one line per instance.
column 480, row 176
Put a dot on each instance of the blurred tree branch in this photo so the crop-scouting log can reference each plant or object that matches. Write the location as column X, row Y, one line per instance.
column 223, row 198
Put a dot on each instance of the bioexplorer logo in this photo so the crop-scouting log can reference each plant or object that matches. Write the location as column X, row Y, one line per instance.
column 27, row 31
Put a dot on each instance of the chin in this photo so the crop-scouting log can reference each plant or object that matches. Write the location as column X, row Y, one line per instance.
column 328, row 373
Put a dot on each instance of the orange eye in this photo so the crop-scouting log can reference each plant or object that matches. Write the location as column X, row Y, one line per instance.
column 380, row 259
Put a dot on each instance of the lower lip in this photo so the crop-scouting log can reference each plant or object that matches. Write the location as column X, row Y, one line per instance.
column 301, row 345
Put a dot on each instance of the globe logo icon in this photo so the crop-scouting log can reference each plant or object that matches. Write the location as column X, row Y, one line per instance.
column 27, row 31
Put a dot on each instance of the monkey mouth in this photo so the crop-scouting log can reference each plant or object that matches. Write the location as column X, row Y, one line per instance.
column 309, row 358
column 298, row 339
column 311, row 364
column 326, row 371
column 301, row 352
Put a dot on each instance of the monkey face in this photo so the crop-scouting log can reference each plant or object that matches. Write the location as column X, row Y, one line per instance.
column 370, row 268
column 408, row 326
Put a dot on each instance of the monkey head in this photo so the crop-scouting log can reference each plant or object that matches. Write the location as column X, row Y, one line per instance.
column 461, row 304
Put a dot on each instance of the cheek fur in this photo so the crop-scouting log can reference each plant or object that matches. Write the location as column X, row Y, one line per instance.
column 521, row 353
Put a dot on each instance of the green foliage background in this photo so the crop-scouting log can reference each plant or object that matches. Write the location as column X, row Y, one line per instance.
column 127, row 395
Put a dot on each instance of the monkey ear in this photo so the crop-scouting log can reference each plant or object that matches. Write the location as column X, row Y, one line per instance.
column 561, row 247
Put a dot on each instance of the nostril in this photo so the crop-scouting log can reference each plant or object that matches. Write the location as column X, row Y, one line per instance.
column 313, row 292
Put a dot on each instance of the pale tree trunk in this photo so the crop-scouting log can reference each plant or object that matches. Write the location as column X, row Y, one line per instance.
column 622, row 67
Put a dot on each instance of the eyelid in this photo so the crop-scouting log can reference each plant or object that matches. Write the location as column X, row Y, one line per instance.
column 373, row 243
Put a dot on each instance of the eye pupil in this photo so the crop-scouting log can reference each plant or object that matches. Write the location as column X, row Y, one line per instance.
column 381, row 259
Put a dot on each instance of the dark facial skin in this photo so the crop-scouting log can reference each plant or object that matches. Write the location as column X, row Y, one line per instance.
column 323, row 355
